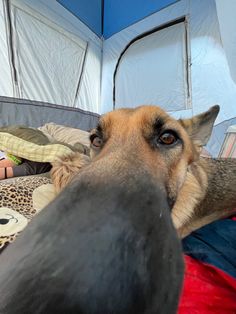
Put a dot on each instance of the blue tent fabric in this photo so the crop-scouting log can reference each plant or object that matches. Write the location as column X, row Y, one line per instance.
column 214, row 244
column 89, row 12
column 108, row 17
column 123, row 13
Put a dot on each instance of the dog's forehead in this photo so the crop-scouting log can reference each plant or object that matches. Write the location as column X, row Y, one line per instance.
column 143, row 116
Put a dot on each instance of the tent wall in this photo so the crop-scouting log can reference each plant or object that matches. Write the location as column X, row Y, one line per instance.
column 210, row 77
column 6, row 82
column 226, row 11
column 35, row 114
column 50, row 54
column 216, row 141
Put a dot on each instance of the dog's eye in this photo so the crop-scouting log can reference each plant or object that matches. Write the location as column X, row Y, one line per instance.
column 168, row 138
column 96, row 141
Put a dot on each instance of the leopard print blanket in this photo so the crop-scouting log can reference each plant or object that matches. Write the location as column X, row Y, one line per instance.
column 16, row 206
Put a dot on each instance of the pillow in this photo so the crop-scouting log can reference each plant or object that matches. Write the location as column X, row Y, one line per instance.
column 65, row 134
column 28, row 150
column 16, row 206
column 26, row 133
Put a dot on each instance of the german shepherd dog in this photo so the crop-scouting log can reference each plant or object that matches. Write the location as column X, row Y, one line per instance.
column 207, row 195
column 107, row 244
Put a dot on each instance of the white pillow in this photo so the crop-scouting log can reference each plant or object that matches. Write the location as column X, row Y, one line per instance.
column 65, row 134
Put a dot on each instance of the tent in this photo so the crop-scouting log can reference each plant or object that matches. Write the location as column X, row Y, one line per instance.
column 72, row 60
column 98, row 55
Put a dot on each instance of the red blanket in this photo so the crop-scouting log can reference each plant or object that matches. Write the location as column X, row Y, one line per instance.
column 207, row 290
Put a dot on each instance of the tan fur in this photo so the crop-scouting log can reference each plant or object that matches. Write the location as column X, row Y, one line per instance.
column 188, row 180
column 220, row 196
column 125, row 131
column 191, row 194
column 66, row 167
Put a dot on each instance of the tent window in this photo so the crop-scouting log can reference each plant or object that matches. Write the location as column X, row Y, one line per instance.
column 49, row 61
column 154, row 69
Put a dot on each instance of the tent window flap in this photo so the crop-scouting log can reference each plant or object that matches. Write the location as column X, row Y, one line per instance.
column 155, row 70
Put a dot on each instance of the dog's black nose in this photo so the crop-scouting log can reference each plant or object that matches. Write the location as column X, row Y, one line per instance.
column 96, row 249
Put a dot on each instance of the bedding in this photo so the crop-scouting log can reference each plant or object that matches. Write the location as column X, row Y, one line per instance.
column 35, row 145
column 21, row 166
column 33, row 115
column 21, row 198
column 214, row 244
column 65, row 134
column 26, row 133
column 17, row 206
column 28, row 150
column 207, row 289
column 210, row 275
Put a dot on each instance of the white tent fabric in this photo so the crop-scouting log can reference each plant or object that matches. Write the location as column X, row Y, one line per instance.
column 50, row 48
column 226, row 11
column 145, row 77
column 6, row 84
column 211, row 81
column 49, row 61
column 56, row 57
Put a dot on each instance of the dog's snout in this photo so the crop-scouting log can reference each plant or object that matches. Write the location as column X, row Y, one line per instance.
column 121, row 169
column 115, row 252
column 128, row 244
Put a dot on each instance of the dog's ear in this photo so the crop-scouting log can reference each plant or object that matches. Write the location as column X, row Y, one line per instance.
column 200, row 127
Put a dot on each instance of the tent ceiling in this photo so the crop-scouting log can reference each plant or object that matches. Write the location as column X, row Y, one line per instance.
column 88, row 11
column 112, row 14
column 123, row 13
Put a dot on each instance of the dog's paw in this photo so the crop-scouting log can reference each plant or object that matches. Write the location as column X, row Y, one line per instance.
column 65, row 168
